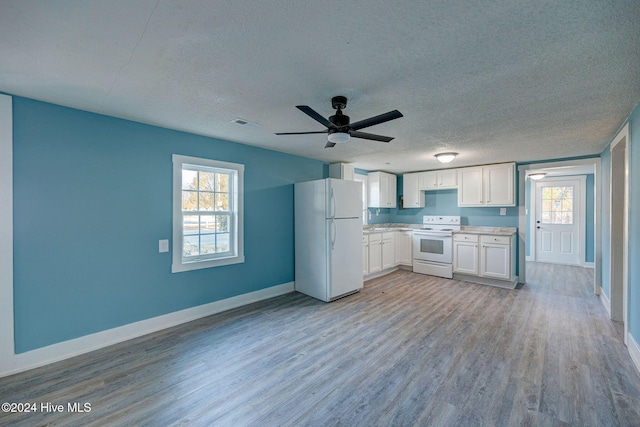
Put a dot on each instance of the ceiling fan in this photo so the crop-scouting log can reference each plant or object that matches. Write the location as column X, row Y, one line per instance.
column 338, row 126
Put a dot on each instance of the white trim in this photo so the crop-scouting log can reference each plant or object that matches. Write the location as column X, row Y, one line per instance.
column 64, row 350
column 589, row 264
column 622, row 136
column 6, row 228
column 522, row 218
column 634, row 350
column 606, row 303
column 237, row 205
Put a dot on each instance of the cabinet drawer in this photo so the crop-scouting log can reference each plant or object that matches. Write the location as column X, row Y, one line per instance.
column 375, row 237
column 465, row 237
column 502, row 240
column 365, row 239
column 387, row 237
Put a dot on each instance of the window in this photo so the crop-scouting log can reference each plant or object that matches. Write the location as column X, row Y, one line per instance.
column 207, row 213
column 557, row 205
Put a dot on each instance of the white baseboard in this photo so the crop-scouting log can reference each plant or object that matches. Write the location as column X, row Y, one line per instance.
column 605, row 302
column 589, row 264
column 634, row 350
column 64, row 350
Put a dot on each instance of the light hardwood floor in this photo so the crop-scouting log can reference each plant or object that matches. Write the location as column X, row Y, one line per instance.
column 407, row 350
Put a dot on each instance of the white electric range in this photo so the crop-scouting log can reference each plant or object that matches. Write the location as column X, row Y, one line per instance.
column 433, row 245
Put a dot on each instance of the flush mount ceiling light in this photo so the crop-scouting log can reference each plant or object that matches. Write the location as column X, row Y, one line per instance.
column 446, row 157
column 339, row 137
column 538, row 175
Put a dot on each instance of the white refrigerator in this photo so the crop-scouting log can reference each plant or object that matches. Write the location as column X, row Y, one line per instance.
column 328, row 238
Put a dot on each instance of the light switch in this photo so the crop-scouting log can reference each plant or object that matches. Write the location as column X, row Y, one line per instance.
column 163, row 245
column 503, row 211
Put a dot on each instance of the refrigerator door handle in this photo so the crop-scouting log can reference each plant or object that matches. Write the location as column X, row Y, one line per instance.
column 332, row 204
column 333, row 235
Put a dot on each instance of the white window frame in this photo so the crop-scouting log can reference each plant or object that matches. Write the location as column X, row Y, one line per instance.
column 364, row 179
column 236, row 239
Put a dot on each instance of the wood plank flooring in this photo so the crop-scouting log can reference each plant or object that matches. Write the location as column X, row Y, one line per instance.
column 408, row 350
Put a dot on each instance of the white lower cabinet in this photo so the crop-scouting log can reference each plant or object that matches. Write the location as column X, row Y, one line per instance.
column 465, row 254
column 375, row 253
column 365, row 254
column 488, row 257
column 404, row 249
column 388, row 250
column 495, row 257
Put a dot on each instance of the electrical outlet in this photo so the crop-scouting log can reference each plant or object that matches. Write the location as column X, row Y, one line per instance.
column 503, row 211
column 163, row 245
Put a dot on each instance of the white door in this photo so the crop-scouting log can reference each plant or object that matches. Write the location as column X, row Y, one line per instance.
column 558, row 221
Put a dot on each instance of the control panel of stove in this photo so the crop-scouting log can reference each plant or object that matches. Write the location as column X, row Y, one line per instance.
column 440, row 220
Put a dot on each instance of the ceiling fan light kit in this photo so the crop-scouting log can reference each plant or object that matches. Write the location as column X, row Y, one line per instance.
column 339, row 128
column 339, row 137
column 446, row 157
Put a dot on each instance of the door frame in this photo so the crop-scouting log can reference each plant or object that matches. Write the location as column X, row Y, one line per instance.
column 522, row 214
column 582, row 217
column 619, row 281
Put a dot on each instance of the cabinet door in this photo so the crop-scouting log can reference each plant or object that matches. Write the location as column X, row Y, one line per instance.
column 375, row 256
column 470, row 187
column 388, row 250
column 373, row 199
column 465, row 258
column 403, row 248
column 499, row 185
column 365, row 255
column 392, row 182
column 413, row 197
column 448, row 178
column 429, row 180
column 495, row 261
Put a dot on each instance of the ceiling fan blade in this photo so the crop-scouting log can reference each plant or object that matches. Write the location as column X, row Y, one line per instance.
column 315, row 115
column 299, row 133
column 391, row 115
column 364, row 135
column 330, row 144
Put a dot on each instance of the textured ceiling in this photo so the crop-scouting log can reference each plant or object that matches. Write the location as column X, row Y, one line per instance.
column 506, row 80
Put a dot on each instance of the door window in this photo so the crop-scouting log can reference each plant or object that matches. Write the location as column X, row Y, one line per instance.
column 557, row 205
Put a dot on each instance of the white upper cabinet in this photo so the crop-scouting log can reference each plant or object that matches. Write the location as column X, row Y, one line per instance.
column 382, row 190
column 491, row 185
column 439, row 180
column 341, row 171
column 412, row 196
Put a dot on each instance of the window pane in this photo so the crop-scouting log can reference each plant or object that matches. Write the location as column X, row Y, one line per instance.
column 189, row 201
column 206, row 201
column 189, row 180
column 206, row 181
column 222, row 182
column 222, row 242
column 568, row 218
column 207, row 243
column 190, row 246
column 190, row 224
column 222, row 202
column 222, row 224
column 207, row 224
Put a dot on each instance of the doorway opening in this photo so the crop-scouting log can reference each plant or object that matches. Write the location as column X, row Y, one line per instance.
column 619, row 227
column 577, row 246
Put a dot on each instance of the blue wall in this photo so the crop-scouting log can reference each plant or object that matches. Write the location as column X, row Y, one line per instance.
column 92, row 197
